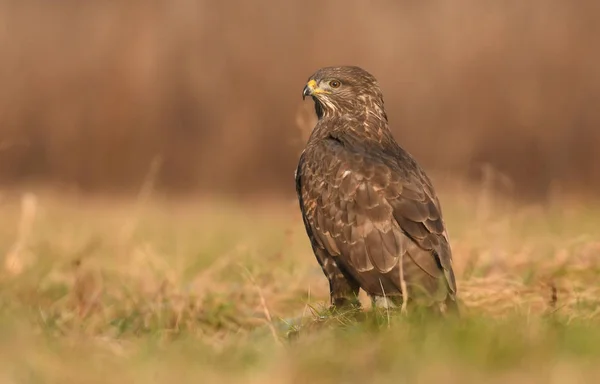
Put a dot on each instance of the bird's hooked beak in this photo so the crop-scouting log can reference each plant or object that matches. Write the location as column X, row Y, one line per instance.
column 311, row 88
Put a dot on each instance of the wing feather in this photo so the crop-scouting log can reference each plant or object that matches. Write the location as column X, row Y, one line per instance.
column 372, row 211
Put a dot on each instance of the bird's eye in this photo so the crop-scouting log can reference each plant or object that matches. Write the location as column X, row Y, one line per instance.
column 334, row 84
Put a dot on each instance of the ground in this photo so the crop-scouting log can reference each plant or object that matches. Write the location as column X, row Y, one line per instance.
column 96, row 290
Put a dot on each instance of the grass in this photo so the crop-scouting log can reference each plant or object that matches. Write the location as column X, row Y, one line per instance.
column 96, row 291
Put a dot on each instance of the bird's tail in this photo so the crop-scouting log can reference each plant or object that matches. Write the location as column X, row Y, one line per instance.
column 452, row 308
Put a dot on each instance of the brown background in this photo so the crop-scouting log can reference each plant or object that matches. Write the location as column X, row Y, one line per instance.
column 91, row 92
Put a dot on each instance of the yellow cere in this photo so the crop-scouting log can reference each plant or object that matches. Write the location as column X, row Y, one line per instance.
column 313, row 86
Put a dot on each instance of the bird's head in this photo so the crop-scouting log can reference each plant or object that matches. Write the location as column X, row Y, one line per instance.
column 347, row 90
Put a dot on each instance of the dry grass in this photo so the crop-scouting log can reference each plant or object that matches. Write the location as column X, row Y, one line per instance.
column 213, row 291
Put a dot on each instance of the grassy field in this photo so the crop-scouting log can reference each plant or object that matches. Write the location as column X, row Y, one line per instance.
column 96, row 291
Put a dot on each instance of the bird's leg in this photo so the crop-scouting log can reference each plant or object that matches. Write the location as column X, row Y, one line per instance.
column 343, row 289
column 383, row 302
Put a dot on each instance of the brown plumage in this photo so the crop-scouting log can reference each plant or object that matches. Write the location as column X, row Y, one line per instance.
column 370, row 211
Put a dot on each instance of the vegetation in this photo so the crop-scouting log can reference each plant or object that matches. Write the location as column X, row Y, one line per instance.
column 95, row 290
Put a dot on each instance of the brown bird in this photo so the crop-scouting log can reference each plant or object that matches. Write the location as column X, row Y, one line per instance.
column 370, row 211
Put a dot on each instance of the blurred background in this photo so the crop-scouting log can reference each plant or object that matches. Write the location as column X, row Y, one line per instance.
column 93, row 93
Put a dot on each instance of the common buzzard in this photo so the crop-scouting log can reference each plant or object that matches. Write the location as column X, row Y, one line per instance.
column 370, row 211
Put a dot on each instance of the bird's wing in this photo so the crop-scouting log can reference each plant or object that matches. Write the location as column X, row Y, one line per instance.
column 370, row 211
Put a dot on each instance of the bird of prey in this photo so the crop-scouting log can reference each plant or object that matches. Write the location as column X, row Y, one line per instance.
column 370, row 211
